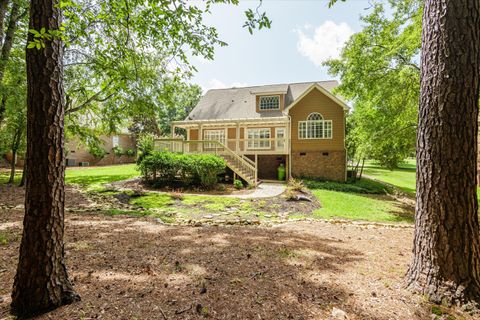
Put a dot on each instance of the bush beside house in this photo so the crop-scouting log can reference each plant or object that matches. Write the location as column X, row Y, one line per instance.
column 167, row 168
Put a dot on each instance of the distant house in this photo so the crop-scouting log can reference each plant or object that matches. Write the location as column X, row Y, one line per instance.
column 256, row 129
column 79, row 155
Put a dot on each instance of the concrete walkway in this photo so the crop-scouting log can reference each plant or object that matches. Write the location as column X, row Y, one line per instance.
column 264, row 190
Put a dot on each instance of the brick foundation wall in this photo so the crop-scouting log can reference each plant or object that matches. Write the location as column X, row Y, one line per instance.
column 329, row 165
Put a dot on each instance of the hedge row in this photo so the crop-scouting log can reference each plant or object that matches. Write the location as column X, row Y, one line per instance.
column 167, row 167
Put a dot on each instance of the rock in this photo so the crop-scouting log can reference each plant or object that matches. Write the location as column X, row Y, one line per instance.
column 209, row 216
column 338, row 314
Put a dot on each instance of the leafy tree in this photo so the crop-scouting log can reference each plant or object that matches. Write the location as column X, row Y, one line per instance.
column 12, row 20
column 13, row 133
column 174, row 26
column 379, row 73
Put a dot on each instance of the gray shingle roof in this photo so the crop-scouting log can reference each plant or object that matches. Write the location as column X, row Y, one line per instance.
column 239, row 103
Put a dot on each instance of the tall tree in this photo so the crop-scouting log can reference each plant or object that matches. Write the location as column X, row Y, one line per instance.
column 379, row 73
column 446, row 254
column 41, row 282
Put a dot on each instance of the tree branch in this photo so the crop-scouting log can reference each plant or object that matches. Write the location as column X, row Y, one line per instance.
column 94, row 97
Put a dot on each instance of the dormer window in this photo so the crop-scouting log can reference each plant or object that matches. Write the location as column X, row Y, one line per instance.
column 269, row 103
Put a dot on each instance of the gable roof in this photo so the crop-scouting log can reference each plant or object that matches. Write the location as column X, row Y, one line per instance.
column 240, row 103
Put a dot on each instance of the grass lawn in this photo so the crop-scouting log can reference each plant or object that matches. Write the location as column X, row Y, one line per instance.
column 5, row 175
column 365, row 199
column 402, row 178
column 93, row 178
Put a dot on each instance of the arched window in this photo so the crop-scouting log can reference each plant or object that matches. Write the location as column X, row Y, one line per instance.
column 314, row 116
column 315, row 127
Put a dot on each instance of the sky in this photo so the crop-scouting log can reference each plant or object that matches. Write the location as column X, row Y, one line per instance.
column 303, row 34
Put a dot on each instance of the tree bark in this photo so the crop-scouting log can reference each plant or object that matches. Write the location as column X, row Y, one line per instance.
column 446, row 253
column 41, row 282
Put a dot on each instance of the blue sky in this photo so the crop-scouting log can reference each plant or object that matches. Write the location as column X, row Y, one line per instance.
column 303, row 34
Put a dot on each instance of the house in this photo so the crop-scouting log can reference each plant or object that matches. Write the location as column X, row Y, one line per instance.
column 79, row 155
column 256, row 129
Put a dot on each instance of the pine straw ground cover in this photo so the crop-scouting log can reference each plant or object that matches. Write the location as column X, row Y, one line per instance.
column 137, row 268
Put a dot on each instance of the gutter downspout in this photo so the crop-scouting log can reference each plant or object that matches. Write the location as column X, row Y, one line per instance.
column 289, row 146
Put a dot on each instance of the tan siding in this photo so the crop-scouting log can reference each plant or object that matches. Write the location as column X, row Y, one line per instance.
column 316, row 101
column 193, row 134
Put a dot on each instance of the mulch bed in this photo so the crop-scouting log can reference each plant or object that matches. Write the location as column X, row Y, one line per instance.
column 136, row 268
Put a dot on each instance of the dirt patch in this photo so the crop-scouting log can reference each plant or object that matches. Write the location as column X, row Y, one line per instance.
column 135, row 268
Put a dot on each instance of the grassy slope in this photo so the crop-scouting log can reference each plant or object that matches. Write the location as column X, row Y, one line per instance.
column 94, row 177
column 364, row 200
column 402, row 178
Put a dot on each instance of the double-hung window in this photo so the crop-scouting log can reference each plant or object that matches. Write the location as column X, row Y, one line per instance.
column 267, row 103
column 315, row 127
column 214, row 135
column 258, row 138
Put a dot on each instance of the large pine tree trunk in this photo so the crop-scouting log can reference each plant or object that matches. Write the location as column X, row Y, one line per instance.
column 446, row 262
column 42, row 283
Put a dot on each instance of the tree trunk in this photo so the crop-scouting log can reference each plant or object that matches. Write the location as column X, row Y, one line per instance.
column 446, row 253
column 361, row 168
column 41, row 282
column 12, row 167
column 24, row 173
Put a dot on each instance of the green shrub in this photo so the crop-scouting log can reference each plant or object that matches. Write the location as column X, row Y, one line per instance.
column 238, row 184
column 130, row 152
column 166, row 168
column 96, row 151
column 296, row 185
column 117, row 151
column 145, row 144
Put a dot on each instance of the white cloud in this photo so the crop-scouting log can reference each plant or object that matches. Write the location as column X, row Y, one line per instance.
column 217, row 84
column 325, row 43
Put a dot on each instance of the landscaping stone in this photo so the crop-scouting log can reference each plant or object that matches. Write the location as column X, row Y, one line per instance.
column 338, row 314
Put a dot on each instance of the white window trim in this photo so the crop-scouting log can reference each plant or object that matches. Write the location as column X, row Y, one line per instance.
column 284, row 138
column 218, row 130
column 258, row 148
column 271, row 96
column 315, row 138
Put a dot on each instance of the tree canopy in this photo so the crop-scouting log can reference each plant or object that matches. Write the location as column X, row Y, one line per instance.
column 379, row 72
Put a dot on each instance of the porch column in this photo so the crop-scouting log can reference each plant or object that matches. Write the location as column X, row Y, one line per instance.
column 237, row 138
column 200, row 137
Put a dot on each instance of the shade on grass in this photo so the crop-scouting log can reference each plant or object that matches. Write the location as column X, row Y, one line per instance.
column 93, row 178
column 353, row 206
column 402, row 177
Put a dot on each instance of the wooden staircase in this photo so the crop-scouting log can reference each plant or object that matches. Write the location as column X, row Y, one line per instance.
column 241, row 165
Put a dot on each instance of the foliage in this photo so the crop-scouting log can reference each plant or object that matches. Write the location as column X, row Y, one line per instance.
column 379, row 73
column 167, row 167
column 238, row 184
column 130, row 152
column 117, row 151
column 97, row 151
column 296, row 185
column 113, row 77
column 402, row 177
column 145, row 145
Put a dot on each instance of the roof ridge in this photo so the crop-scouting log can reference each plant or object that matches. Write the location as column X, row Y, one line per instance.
column 273, row 84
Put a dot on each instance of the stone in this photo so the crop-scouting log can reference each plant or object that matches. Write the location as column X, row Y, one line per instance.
column 338, row 314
